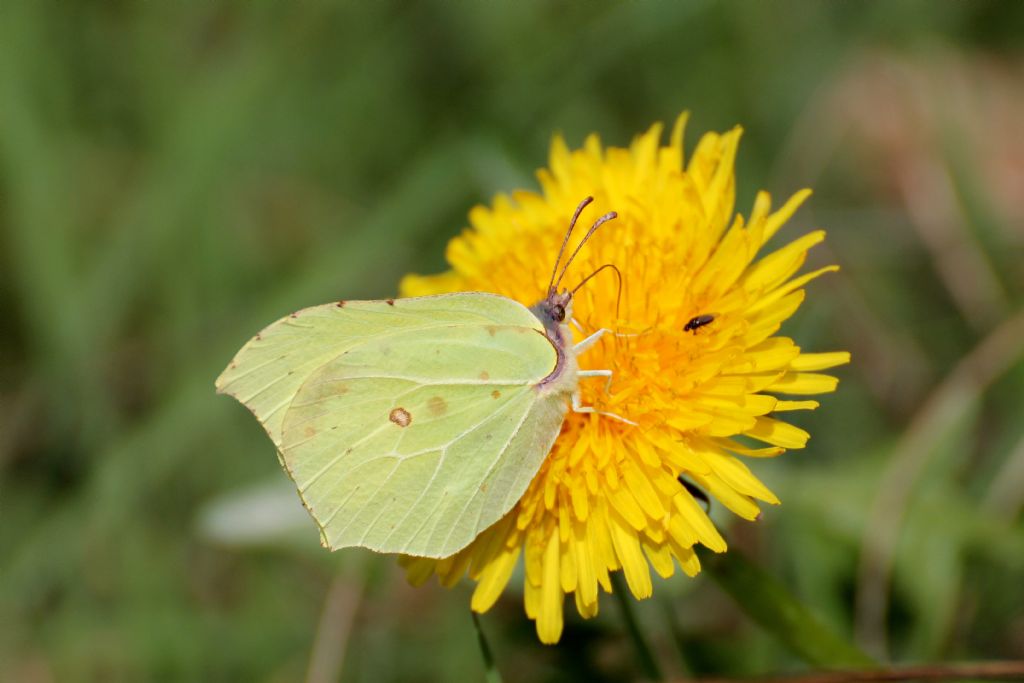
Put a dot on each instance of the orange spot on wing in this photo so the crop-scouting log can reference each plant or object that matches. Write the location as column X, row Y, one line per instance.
column 437, row 406
column 495, row 394
column 401, row 417
column 484, row 375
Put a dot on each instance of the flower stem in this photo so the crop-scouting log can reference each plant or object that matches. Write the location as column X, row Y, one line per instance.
column 643, row 650
column 491, row 673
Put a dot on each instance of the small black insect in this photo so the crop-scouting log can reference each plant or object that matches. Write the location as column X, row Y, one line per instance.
column 699, row 321
column 697, row 493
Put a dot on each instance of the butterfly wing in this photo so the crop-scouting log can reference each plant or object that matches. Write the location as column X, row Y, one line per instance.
column 419, row 428
column 417, row 442
column 267, row 372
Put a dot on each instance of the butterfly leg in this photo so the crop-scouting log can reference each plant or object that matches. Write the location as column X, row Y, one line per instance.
column 582, row 346
column 592, row 339
column 607, row 374
column 577, row 407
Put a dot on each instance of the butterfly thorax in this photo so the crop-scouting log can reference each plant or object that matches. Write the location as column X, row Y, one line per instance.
column 554, row 311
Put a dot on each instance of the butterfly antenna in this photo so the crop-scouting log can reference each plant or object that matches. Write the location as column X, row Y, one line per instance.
column 572, row 224
column 618, row 275
column 593, row 228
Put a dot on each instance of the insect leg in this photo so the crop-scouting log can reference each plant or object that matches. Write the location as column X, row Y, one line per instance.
column 607, row 374
column 590, row 341
column 578, row 408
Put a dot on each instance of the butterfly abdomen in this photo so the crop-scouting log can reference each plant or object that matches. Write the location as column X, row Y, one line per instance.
column 564, row 377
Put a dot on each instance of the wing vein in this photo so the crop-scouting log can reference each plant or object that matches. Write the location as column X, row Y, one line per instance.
column 490, row 469
column 440, row 463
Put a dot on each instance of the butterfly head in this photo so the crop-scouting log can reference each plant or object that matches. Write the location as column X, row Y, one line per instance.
column 556, row 308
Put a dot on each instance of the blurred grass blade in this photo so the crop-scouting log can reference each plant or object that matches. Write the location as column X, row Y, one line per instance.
column 644, row 655
column 774, row 608
column 491, row 673
column 335, row 629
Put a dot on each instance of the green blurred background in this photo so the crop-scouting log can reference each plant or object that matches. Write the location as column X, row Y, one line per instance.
column 174, row 175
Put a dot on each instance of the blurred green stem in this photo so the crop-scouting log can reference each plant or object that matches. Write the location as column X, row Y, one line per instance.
column 767, row 601
column 491, row 673
column 643, row 649
column 332, row 634
column 678, row 637
column 959, row 392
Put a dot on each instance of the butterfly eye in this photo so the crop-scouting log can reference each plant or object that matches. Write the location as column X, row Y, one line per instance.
column 558, row 312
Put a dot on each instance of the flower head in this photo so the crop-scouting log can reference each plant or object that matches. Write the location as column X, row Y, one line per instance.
column 696, row 362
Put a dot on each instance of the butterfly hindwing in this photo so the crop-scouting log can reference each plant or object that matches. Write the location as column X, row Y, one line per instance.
column 416, row 442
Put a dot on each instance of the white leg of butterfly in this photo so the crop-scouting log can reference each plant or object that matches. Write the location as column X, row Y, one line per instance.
column 601, row 332
column 577, row 407
column 607, row 374
column 590, row 341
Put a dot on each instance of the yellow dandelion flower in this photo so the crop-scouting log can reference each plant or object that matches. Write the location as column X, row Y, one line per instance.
column 696, row 363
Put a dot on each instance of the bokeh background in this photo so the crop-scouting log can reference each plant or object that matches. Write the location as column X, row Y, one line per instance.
column 174, row 175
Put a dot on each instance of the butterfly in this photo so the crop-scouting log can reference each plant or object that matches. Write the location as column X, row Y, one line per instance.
column 411, row 425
